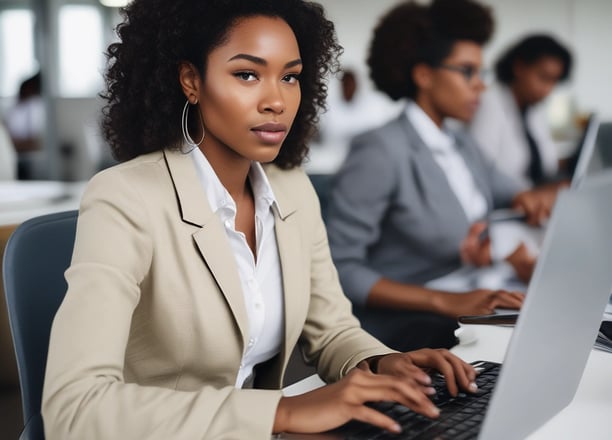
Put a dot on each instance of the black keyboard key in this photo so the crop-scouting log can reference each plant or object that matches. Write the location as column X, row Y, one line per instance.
column 460, row 417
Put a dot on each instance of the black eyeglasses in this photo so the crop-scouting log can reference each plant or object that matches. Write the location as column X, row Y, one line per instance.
column 467, row 71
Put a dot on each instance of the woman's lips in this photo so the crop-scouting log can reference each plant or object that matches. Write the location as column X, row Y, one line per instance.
column 270, row 133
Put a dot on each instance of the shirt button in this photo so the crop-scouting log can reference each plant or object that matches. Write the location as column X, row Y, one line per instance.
column 258, row 305
column 228, row 223
column 251, row 342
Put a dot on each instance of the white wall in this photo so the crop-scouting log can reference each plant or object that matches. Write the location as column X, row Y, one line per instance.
column 584, row 25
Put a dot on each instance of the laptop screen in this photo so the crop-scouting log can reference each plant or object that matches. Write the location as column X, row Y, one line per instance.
column 581, row 163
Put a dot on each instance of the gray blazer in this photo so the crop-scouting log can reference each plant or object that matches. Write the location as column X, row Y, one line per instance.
column 392, row 213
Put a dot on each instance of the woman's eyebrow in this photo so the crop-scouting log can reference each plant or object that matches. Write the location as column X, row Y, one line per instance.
column 261, row 61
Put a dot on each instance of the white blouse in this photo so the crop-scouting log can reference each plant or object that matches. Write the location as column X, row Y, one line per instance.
column 442, row 145
column 260, row 278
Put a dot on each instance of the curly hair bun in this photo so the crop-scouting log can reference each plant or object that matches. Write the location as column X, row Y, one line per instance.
column 412, row 33
column 462, row 20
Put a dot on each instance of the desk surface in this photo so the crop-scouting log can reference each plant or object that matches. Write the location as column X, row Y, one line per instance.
column 22, row 200
column 586, row 417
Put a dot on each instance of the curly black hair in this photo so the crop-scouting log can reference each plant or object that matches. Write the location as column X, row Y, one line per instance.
column 413, row 33
column 529, row 50
column 144, row 97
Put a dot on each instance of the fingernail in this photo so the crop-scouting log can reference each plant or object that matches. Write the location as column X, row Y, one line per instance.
column 430, row 391
column 426, row 379
column 473, row 386
column 436, row 411
column 396, row 428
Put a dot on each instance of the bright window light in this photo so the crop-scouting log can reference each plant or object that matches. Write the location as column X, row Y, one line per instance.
column 16, row 49
column 114, row 3
column 80, row 50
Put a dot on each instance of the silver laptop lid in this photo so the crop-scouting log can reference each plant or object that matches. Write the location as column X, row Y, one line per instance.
column 587, row 151
column 558, row 323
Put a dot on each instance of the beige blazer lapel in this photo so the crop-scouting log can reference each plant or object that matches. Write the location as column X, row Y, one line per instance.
column 210, row 239
column 293, row 258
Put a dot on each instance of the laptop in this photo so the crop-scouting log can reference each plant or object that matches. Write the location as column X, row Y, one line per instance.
column 556, row 329
column 585, row 153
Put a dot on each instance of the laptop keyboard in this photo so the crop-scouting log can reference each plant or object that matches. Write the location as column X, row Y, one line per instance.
column 460, row 417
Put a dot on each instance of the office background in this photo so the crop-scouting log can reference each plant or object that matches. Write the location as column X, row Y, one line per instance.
column 584, row 25
column 66, row 39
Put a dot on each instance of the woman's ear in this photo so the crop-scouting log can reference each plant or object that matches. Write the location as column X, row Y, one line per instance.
column 190, row 80
column 422, row 75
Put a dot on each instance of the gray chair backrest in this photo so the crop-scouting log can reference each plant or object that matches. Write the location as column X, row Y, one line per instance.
column 36, row 256
column 322, row 184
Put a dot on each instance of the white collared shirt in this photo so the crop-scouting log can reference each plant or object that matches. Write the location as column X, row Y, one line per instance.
column 500, row 135
column 442, row 145
column 261, row 279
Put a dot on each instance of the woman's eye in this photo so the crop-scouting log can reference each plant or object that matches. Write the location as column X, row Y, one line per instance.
column 245, row 76
column 291, row 78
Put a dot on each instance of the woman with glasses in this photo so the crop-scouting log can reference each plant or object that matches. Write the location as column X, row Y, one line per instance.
column 409, row 191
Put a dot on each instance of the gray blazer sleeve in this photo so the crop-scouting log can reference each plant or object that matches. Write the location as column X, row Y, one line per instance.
column 362, row 193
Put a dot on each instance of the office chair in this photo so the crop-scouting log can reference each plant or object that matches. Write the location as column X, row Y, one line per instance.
column 36, row 256
column 322, row 184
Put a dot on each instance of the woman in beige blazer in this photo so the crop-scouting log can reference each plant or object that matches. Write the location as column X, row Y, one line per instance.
column 196, row 270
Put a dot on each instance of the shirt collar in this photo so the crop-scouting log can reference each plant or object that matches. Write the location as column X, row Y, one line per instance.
column 262, row 188
column 437, row 139
column 219, row 197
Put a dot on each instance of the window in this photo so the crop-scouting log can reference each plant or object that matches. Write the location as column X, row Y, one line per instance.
column 81, row 56
column 16, row 49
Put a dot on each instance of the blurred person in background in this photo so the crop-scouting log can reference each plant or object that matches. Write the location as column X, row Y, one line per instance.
column 352, row 110
column 409, row 191
column 511, row 126
column 25, row 122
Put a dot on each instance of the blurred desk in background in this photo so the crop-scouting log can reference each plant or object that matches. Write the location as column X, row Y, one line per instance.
column 325, row 158
column 20, row 201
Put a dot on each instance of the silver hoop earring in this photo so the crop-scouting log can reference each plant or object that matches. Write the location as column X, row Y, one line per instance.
column 185, row 127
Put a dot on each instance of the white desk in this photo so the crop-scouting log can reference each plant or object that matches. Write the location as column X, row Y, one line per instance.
column 325, row 158
column 592, row 406
column 22, row 200
column 586, row 417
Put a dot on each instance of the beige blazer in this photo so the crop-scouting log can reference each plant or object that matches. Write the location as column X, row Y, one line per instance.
column 148, row 341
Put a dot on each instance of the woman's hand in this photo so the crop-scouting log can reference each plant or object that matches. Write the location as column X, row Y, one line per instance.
column 523, row 262
column 476, row 249
column 333, row 405
column 477, row 302
column 400, row 378
column 538, row 203
column 458, row 374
